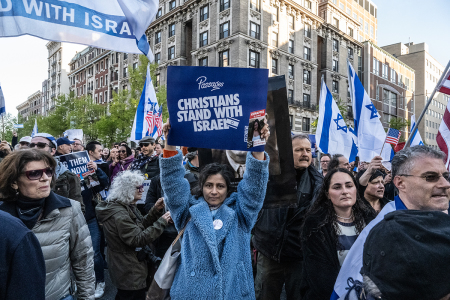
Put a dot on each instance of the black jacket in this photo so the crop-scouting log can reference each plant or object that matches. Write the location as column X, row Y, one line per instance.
column 89, row 194
column 22, row 272
column 68, row 185
column 277, row 231
column 320, row 259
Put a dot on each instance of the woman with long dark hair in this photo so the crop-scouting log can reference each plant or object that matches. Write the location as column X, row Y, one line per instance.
column 125, row 159
column 256, row 131
column 331, row 226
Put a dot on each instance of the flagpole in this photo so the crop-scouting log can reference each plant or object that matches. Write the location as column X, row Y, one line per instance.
column 383, row 147
column 414, row 129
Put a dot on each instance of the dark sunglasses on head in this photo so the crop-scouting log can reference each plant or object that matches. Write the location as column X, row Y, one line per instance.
column 122, row 151
column 433, row 177
column 39, row 145
column 37, row 174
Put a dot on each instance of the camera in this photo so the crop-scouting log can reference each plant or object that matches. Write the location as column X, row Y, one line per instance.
column 146, row 254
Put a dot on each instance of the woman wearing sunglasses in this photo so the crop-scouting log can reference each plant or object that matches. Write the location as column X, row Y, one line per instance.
column 57, row 222
column 125, row 159
column 127, row 233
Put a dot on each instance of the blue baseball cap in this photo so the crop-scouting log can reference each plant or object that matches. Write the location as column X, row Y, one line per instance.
column 64, row 141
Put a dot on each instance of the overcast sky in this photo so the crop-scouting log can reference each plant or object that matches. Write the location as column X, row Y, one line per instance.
column 23, row 60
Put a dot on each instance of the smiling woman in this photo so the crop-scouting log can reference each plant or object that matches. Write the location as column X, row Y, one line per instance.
column 331, row 226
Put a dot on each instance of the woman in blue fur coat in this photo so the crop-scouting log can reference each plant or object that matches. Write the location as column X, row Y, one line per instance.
column 215, row 261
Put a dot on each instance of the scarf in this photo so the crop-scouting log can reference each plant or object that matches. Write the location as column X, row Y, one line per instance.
column 142, row 160
column 29, row 210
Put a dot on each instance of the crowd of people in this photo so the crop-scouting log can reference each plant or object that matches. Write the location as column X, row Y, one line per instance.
column 380, row 227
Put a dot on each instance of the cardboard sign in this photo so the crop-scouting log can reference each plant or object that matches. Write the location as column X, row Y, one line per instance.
column 282, row 185
column 211, row 107
column 77, row 163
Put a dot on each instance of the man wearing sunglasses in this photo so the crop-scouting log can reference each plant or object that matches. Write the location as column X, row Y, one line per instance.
column 422, row 180
column 148, row 163
column 67, row 183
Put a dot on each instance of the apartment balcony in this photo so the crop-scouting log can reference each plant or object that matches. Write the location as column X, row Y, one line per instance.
column 301, row 104
column 53, row 74
column 53, row 96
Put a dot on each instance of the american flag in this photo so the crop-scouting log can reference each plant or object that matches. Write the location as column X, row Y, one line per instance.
column 444, row 86
column 392, row 136
column 150, row 118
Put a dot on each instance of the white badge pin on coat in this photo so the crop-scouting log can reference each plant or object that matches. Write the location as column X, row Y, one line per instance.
column 217, row 224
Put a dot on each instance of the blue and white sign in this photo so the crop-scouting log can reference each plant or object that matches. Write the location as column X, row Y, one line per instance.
column 18, row 125
column 117, row 25
column 211, row 107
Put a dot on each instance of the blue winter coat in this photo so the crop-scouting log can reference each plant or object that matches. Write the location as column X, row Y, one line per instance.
column 214, row 264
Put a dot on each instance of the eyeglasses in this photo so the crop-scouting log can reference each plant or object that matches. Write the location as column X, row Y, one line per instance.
column 433, row 177
column 76, row 144
column 40, row 145
column 37, row 174
column 140, row 188
column 144, row 144
column 324, row 161
column 122, row 151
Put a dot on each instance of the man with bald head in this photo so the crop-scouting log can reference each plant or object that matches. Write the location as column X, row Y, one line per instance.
column 277, row 232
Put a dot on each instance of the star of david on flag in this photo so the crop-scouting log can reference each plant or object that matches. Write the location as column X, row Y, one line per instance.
column 343, row 128
column 148, row 119
column 373, row 111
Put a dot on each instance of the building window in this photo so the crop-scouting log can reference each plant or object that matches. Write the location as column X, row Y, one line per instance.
column 335, row 65
column 306, row 76
column 159, row 13
column 157, row 57
column 274, row 66
column 371, row 31
column 385, row 71
column 203, row 39
column 203, row 62
column 158, row 37
column 366, row 28
column 335, row 86
column 254, row 59
column 307, row 53
column 393, row 75
column 224, row 4
column 306, row 124
column 291, row 46
column 157, row 83
column 224, row 58
column 291, row 71
column 291, row 96
column 275, row 14
column 335, row 45
column 224, row 30
column 172, row 5
column 254, row 30
column 308, row 30
column 350, row 32
column 291, row 22
column 135, row 65
column 254, row 4
column 350, row 53
column 125, row 72
column 308, row 4
column 306, row 100
column 336, row 22
column 274, row 39
column 172, row 29
column 171, row 52
column 204, row 13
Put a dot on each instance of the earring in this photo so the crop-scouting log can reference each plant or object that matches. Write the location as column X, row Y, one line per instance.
column 17, row 192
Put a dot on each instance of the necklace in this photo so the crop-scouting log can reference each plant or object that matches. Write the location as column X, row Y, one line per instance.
column 351, row 216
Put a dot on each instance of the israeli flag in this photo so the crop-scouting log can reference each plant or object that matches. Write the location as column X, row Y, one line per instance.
column 332, row 134
column 117, row 25
column 368, row 128
column 35, row 129
column 146, row 118
column 2, row 102
column 416, row 139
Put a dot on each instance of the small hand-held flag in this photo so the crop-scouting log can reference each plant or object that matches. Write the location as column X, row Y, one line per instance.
column 35, row 129
column 392, row 137
column 148, row 118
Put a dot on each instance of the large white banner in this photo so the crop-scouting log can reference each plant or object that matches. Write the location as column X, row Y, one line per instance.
column 117, row 25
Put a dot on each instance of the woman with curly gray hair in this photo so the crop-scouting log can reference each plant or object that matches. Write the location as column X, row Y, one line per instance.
column 127, row 232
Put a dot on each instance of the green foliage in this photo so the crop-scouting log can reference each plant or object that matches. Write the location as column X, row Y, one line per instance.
column 107, row 124
column 7, row 127
column 399, row 123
